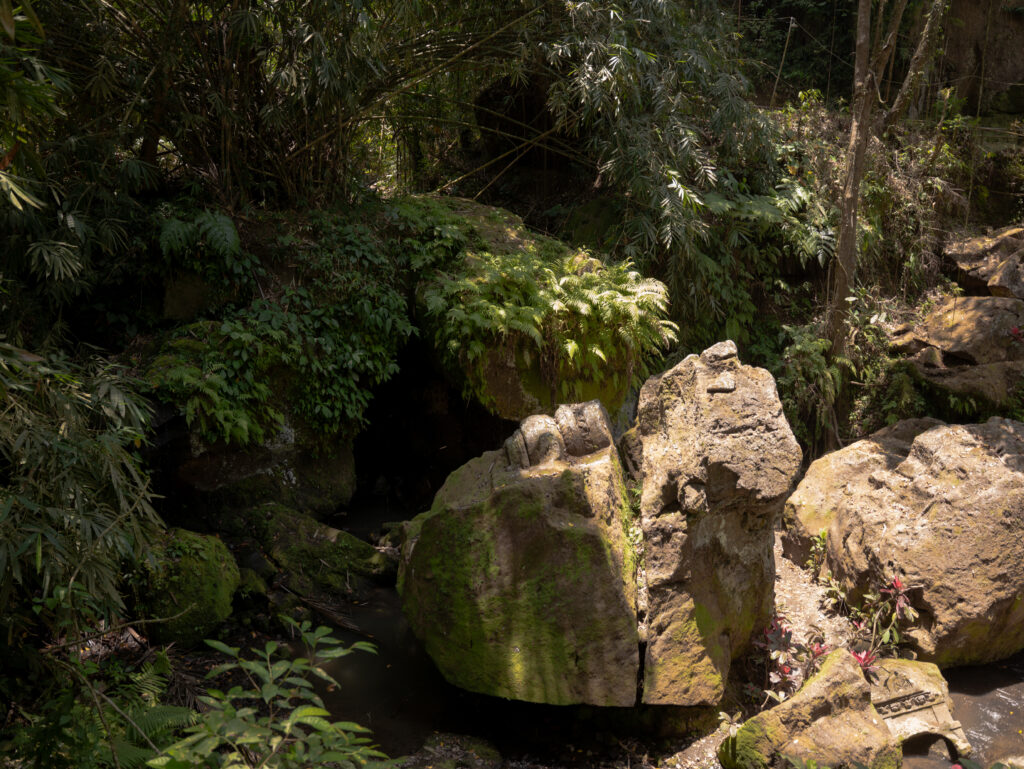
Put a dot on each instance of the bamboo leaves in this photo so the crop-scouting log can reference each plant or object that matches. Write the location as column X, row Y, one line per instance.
column 75, row 502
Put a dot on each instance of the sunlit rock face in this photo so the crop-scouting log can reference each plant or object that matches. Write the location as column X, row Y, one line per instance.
column 520, row 580
column 533, row 578
column 831, row 721
column 717, row 461
column 941, row 507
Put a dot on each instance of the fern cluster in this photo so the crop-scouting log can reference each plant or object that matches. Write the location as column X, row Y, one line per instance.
column 580, row 320
column 108, row 715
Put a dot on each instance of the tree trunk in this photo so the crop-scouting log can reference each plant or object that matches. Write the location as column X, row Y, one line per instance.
column 917, row 65
column 844, row 267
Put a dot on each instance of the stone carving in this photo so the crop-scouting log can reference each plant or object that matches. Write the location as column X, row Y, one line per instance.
column 717, row 460
column 913, row 698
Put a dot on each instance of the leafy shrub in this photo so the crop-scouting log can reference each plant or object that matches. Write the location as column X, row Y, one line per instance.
column 75, row 501
column 809, row 381
column 581, row 320
column 207, row 244
column 277, row 721
column 319, row 343
column 103, row 715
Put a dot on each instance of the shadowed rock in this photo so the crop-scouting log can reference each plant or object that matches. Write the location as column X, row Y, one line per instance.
column 520, row 580
column 718, row 459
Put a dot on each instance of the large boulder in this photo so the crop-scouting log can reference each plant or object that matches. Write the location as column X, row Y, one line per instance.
column 187, row 583
column 811, row 509
column 521, row 580
column 991, row 263
column 717, row 460
column 314, row 558
column 830, row 720
column 940, row 506
column 968, row 346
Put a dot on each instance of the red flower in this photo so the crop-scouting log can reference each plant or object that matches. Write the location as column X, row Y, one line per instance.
column 865, row 658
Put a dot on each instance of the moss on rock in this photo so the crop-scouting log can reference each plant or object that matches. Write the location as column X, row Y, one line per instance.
column 517, row 582
column 191, row 580
column 314, row 556
column 830, row 720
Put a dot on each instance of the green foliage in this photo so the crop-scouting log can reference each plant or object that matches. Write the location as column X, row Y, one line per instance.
column 809, row 382
column 882, row 616
column 581, row 320
column 788, row 664
column 656, row 92
column 105, row 715
column 816, row 558
column 225, row 397
column 313, row 349
column 819, row 53
column 75, row 502
column 313, row 81
column 277, row 721
column 208, row 245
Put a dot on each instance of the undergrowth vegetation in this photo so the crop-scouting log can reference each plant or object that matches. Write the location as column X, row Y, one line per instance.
column 326, row 319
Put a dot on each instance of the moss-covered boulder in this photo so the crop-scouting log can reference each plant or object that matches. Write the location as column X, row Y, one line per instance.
column 944, row 512
column 520, row 580
column 717, row 460
column 313, row 557
column 830, row 720
column 190, row 580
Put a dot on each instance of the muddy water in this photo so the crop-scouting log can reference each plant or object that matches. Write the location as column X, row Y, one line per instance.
column 989, row 702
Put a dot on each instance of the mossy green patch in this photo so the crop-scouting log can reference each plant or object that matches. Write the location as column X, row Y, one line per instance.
column 317, row 557
column 519, row 596
column 189, row 584
column 751, row 748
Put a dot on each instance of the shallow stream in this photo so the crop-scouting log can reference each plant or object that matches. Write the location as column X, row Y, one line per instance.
column 988, row 701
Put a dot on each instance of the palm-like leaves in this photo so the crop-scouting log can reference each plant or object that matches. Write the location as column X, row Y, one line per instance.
column 583, row 320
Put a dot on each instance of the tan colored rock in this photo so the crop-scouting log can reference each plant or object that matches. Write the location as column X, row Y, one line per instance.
column 718, row 459
column 520, row 580
column 946, row 513
column 993, row 383
column 966, row 346
column 991, row 262
column 913, row 698
column 974, row 329
column 811, row 509
column 829, row 720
